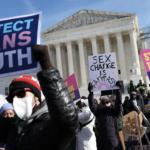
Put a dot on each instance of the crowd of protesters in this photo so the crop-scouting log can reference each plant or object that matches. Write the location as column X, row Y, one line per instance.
column 28, row 122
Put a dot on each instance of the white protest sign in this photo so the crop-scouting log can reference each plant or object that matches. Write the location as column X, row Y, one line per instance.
column 103, row 71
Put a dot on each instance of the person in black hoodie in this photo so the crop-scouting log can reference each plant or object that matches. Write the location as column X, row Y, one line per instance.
column 48, row 125
column 108, row 135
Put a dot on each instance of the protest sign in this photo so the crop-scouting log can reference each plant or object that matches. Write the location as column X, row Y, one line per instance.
column 103, row 71
column 18, row 35
column 146, row 60
column 72, row 86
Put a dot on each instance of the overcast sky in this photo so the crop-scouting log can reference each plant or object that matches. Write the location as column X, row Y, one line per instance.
column 54, row 11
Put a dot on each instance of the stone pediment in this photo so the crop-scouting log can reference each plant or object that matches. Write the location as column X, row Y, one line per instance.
column 86, row 17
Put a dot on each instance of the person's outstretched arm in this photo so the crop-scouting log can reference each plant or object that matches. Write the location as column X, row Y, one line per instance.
column 63, row 114
column 92, row 104
column 118, row 103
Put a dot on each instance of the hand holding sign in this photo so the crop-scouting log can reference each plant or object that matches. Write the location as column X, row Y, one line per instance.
column 41, row 54
column 90, row 87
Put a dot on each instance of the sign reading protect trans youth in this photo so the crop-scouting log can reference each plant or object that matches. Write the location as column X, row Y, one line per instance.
column 72, row 86
column 146, row 60
column 17, row 36
column 103, row 71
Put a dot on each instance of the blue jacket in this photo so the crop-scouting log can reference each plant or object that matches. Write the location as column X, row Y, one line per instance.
column 107, row 132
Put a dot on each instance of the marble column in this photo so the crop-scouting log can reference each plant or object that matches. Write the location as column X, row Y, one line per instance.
column 121, row 55
column 70, row 58
column 82, row 62
column 106, row 43
column 58, row 58
column 134, row 48
column 94, row 45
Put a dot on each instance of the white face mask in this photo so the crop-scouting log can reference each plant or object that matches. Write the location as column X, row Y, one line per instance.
column 23, row 107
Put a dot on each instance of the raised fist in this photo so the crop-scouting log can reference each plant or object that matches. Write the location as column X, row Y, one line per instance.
column 40, row 53
column 118, row 83
column 90, row 88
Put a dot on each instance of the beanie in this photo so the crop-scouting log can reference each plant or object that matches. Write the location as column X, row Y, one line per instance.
column 133, row 93
column 104, row 98
column 25, row 82
column 5, row 107
column 85, row 101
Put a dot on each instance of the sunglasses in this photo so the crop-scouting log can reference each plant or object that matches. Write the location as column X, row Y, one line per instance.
column 107, row 102
column 19, row 93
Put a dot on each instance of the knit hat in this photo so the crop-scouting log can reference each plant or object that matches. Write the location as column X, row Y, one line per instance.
column 25, row 82
column 133, row 93
column 5, row 107
column 104, row 98
column 85, row 101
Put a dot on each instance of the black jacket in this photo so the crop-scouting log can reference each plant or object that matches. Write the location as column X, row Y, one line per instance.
column 107, row 137
column 128, row 105
column 144, row 99
column 46, row 129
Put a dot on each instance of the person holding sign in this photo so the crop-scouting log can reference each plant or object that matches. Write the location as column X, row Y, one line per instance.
column 108, row 138
column 37, row 126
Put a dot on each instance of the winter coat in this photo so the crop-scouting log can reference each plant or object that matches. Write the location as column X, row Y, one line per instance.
column 86, row 137
column 49, row 128
column 107, row 132
column 130, row 107
column 144, row 99
column 126, row 107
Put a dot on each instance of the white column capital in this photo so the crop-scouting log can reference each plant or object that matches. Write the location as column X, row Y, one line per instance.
column 131, row 31
column 69, row 42
column 105, row 35
column 118, row 33
column 80, row 40
column 93, row 38
column 57, row 45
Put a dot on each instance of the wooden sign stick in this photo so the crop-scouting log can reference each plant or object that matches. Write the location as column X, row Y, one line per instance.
column 137, row 125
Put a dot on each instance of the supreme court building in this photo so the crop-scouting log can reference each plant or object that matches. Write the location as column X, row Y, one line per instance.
column 90, row 32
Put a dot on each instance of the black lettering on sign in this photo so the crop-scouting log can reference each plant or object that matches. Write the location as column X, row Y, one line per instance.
column 107, row 58
column 104, row 72
column 100, row 59
column 95, row 82
column 95, row 58
column 112, row 65
column 92, row 68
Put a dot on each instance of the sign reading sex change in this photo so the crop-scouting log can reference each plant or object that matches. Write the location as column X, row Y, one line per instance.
column 146, row 60
column 72, row 86
column 103, row 71
column 17, row 36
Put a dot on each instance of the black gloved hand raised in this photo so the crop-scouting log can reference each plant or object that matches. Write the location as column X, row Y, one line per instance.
column 90, row 87
column 118, row 83
column 40, row 53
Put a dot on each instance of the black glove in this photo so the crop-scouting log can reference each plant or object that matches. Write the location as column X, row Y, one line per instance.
column 118, row 83
column 90, row 87
column 40, row 53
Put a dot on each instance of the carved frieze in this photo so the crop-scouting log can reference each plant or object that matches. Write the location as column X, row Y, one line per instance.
column 82, row 20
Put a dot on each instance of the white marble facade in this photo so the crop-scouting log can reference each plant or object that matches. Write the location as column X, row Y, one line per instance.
column 89, row 32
